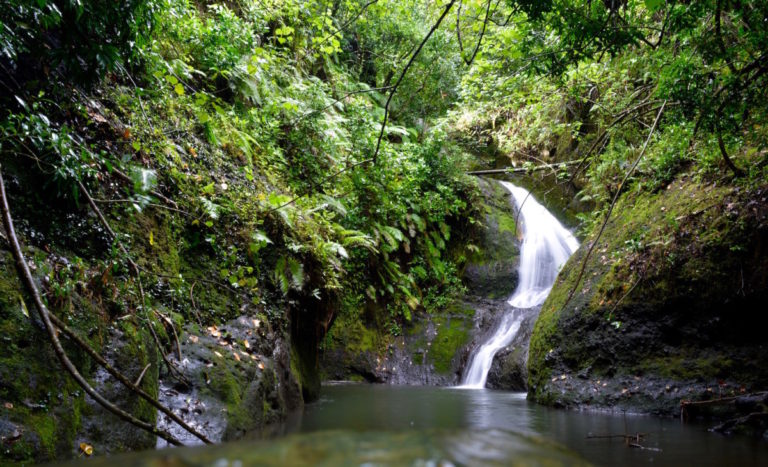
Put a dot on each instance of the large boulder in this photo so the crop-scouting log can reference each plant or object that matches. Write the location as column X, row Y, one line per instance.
column 670, row 307
column 492, row 271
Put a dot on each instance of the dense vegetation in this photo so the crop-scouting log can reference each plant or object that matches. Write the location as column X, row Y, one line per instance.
column 304, row 160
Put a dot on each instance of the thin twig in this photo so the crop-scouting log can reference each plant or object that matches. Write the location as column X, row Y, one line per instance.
column 610, row 208
column 154, row 193
column 141, row 375
column 341, row 28
column 137, row 275
column 154, row 205
column 479, row 39
column 138, row 96
column 350, row 93
column 320, row 183
column 402, row 75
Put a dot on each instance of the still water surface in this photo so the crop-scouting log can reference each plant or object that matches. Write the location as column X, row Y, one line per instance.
column 364, row 425
column 409, row 408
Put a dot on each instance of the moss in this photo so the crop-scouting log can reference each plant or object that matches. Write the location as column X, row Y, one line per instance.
column 46, row 403
column 506, row 221
column 136, row 353
column 305, row 371
column 349, row 333
column 417, row 357
column 45, row 427
column 452, row 335
column 224, row 382
column 664, row 294
column 158, row 252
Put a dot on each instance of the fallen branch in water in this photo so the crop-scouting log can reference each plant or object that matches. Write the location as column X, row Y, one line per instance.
column 754, row 418
column 685, row 404
column 47, row 318
column 632, row 441
column 636, row 436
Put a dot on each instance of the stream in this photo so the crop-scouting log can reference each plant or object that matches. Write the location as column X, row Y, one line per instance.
column 413, row 409
column 374, row 425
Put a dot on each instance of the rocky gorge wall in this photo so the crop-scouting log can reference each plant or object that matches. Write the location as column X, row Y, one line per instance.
column 671, row 306
column 239, row 376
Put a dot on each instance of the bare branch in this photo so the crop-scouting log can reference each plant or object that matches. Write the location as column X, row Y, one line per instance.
column 402, row 75
column 45, row 316
column 613, row 204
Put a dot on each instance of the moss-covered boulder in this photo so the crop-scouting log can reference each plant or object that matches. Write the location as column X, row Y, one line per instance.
column 492, row 270
column 431, row 350
column 40, row 406
column 671, row 305
column 239, row 381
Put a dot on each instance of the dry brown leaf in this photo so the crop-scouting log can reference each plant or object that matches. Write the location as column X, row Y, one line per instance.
column 86, row 449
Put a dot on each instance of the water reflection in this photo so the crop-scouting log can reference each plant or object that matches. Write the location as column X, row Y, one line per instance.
column 414, row 409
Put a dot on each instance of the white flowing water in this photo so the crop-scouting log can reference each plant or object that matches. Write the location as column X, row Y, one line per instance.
column 546, row 246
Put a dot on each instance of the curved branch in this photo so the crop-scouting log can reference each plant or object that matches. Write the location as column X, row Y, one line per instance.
column 133, row 386
column 479, row 39
column 402, row 75
column 45, row 316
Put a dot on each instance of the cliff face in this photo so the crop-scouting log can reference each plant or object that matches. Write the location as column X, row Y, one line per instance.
column 671, row 305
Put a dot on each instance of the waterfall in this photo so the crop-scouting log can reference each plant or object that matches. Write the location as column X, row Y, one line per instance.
column 546, row 246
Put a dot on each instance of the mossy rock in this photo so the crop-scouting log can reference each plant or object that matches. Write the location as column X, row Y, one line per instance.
column 131, row 350
column 431, row 350
column 240, row 380
column 670, row 306
column 491, row 270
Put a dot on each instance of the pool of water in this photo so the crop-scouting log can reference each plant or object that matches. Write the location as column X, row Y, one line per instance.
column 665, row 442
column 377, row 425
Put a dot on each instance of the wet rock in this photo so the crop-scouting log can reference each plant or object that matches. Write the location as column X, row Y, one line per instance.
column 431, row 351
column 240, row 382
column 130, row 350
column 509, row 369
column 492, row 270
column 670, row 308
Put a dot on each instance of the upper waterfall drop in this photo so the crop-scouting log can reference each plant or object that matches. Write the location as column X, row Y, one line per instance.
column 546, row 247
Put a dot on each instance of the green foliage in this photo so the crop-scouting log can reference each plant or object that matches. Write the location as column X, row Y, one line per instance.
column 583, row 81
column 87, row 38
